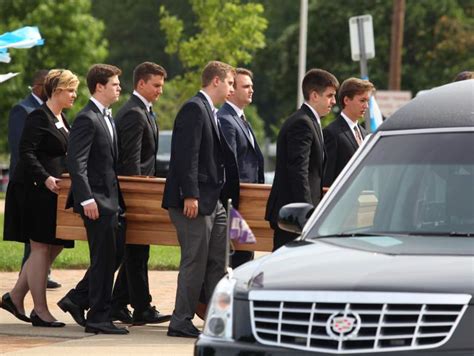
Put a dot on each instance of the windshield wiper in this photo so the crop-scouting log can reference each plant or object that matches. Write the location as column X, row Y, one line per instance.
column 442, row 233
column 355, row 234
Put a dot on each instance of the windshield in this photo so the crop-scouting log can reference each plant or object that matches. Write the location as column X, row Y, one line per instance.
column 417, row 184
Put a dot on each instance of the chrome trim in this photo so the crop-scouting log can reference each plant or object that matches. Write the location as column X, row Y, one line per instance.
column 358, row 297
column 289, row 330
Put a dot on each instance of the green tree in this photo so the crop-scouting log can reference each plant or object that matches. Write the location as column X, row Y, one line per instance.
column 226, row 30
column 438, row 43
column 73, row 40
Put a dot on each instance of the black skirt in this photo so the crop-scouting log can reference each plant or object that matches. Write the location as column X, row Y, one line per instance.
column 30, row 214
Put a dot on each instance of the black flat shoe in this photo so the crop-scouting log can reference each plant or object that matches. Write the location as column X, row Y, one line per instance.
column 7, row 304
column 53, row 284
column 37, row 321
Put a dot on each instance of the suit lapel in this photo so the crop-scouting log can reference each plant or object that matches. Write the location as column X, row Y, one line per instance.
column 319, row 134
column 150, row 118
column 348, row 132
column 240, row 123
column 211, row 115
column 101, row 119
column 59, row 133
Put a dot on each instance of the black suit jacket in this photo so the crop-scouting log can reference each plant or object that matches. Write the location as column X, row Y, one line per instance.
column 137, row 139
column 16, row 122
column 249, row 158
column 340, row 145
column 199, row 158
column 42, row 148
column 299, row 164
column 91, row 161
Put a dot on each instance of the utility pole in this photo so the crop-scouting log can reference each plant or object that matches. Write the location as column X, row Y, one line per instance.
column 396, row 45
column 302, row 49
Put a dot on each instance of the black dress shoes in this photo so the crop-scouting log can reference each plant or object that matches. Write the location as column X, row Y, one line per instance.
column 191, row 332
column 7, row 304
column 106, row 327
column 37, row 321
column 52, row 284
column 149, row 316
column 77, row 313
column 124, row 315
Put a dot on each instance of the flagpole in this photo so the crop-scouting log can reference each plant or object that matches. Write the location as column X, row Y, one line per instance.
column 227, row 237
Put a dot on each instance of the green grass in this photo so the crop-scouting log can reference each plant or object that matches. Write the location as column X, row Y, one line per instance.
column 11, row 254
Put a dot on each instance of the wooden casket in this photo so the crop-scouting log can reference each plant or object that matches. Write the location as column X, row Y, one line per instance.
column 149, row 223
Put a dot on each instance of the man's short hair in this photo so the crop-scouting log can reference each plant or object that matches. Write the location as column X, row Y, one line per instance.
column 215, row 69
column 59, row 79
column 353, row 86
column 244, row 71
column 100, row 74
column 145, row 70
column 318, row 80
column 38, row 77
column 465, row 75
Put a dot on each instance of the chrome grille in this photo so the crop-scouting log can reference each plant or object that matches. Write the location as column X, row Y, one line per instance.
column 349, row 322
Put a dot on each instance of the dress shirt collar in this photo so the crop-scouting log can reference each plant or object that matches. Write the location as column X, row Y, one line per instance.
column 351, row 123
column 209, row 100
column 238, row 110
column 37, row 98
column 314, row 112
column 148, row 105
column 99, row 105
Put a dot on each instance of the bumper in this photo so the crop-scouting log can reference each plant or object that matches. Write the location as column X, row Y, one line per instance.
column 206, row 346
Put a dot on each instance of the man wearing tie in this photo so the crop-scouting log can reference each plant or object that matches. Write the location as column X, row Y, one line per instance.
column 300, row 157
column 241, row 139
column 137, row 132
column 344, row 135
column 95, row 194
column 199, row 167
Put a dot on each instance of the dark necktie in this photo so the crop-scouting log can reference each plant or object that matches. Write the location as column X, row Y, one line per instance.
column 357, row 135
column 247, row 126
column 153, row 119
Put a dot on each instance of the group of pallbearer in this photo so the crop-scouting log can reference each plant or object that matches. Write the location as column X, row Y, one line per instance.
column 212, row 151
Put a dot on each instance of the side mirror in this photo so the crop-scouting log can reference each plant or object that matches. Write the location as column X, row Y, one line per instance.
column 292, row 217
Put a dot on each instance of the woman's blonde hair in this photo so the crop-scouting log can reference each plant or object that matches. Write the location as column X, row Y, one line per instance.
column 59, row 79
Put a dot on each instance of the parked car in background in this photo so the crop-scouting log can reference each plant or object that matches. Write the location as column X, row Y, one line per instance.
column 164, row 153
column 385, row 263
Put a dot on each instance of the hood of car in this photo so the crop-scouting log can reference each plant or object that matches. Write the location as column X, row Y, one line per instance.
column 319, row 265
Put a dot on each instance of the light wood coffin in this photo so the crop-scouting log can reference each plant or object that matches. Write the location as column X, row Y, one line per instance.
column 148, row 223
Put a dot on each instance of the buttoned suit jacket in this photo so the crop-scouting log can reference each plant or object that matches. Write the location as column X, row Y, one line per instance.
column 16, row 123
column 340, row 144
column 200, row 159
column 91, row 161
column 299, row 164
column 249, row 159
column 137, row 139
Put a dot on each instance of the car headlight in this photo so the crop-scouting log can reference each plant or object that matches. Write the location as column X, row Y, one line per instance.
column 219, row 311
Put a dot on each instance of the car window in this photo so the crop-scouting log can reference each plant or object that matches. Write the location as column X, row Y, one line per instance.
column 164, row 144
column 407, row 184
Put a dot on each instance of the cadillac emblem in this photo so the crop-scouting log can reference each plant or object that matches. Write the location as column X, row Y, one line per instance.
column 343, row 325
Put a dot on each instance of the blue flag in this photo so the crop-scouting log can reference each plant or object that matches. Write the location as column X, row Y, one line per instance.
column 25, row 37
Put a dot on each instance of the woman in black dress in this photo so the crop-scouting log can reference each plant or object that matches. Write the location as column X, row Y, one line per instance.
column 30, row 205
